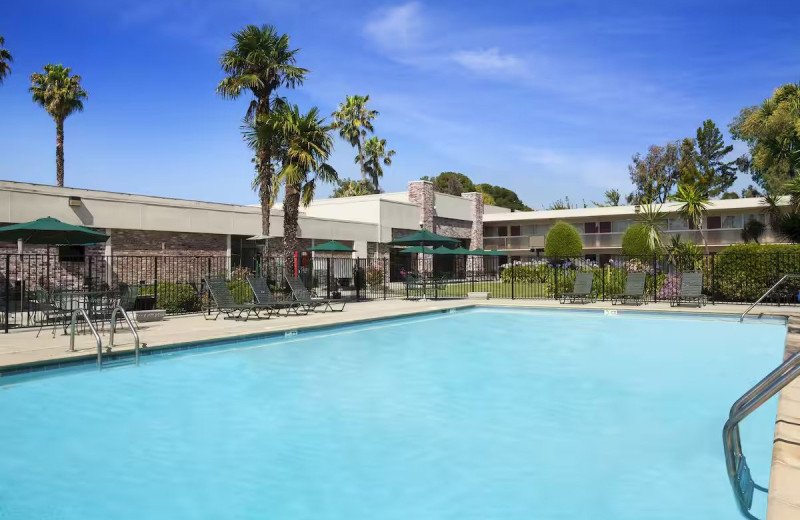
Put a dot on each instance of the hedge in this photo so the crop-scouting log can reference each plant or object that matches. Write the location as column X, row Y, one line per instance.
column 744, row 272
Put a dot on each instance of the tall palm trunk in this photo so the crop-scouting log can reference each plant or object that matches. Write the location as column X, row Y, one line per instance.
column 60, row 152
column 361, row 162
column 291, row 208
column 264, row 170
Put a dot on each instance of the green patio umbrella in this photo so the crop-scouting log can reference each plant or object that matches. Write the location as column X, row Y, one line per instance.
column 51, row 231
column 419, row 250
column 441, row 250
column 332, row 247
column 421, row 238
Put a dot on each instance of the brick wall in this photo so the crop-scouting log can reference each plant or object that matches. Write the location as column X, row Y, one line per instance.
column 421, row 194
column 127, row 242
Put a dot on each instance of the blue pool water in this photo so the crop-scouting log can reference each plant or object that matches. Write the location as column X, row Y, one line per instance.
column 475, row 415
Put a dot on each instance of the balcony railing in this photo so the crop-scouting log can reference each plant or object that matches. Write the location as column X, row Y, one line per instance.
column 714, row 237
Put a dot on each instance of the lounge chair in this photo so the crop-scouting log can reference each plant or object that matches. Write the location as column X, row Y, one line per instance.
column 264, row 296
column 634, row 290
column 226, row 304
column 127, row 300
column 691, row 290
column 582, row 290
column 304, row 298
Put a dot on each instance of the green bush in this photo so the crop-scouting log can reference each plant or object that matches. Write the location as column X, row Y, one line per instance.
column 563, row 241
column 241, row 291
column 175, row 298
column 527, row 273
column 635, row 242
column 744, row 272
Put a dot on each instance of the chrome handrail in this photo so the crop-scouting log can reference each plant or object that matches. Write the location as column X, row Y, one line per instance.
column 92, row 328
column 119, row 310
column 735, row 460
column 741, row 318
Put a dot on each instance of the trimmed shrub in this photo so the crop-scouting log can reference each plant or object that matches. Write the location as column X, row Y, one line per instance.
column 634, row 241
column 563, row 241
column 743, row 272
column 175, row 298
column 529, row 273
column 241, row 291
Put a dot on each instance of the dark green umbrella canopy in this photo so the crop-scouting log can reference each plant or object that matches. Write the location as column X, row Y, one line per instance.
column 490, row 252
column 441, row 250
column 423, row 237
column 418, row 249
column 333, row 247
column 51, row 231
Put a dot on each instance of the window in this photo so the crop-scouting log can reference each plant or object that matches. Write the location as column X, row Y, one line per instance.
column 515, row 231
column 620, row 226
column 732, row 222
column 71, row 253
column 502, row 231
column 677, row 224
column 605, row 227
column 590, row 227
column 714, row 222
column 490, row 231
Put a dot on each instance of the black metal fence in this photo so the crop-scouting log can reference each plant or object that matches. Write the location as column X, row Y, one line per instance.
column 175, row 283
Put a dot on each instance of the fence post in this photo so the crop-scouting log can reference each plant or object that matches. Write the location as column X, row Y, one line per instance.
column 155, row 281
column 603, row 274
column 327, row 277
column 88, row 281
column 8, row 292
column 385, row 277
column 555, row 279
column 511, row 266
column 713, row 279
column 655, row 277
column 357, row 276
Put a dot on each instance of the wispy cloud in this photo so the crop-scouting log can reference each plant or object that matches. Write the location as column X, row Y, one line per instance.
column 398, row 28
column 489, row 61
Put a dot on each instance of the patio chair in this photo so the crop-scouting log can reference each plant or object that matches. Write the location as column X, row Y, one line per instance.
column 264, row 296
column 50, row 312
column 302, row 296
column 634, row 290
column 127, row 300
column 226, row 304
column 691, row 290
column 581, row 291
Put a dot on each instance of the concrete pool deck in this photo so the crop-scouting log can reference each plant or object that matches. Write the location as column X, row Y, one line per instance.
column 21, row 347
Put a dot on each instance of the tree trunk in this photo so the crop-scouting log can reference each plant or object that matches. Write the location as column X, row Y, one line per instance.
column 361, row 162
column 264, row 156
column 291, row 207
column 60, row 152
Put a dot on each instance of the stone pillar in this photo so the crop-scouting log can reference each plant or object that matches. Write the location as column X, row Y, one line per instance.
column 475, row 263
column 421, row 194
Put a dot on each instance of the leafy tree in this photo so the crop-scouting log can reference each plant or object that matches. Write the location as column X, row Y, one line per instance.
column 652, row 219
column 488, row 199
column 655, row 175
column 373, row 157
column 563, row 241
column 612, row 198
column 753, row 230
column 303, row 164
column 5, row 59
column 714, row 174
column 354, row 120
column 687, row 164
column 694, row 206
column 788, row 226
column 353, row 188
column 772, row 133
column 728, row 195
column 750, row 191
column 452, row 183
column 561, row 204
column 61, row 95
column 685, row 256
column 260, row 61
column 503, row 197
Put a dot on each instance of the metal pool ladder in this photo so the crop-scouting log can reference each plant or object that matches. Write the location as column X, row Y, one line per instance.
column 735, row 461
column 117, row 310
column 785, row 277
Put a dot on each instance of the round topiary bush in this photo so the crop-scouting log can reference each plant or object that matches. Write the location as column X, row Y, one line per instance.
column 563, row 241
column 635, row 242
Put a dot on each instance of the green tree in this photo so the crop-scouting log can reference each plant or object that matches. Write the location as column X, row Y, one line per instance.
column 612, row 198
column 687, row 164
column 353, row 120
column 372, row 159
column 694, row 206
column 636, row 241
column 5, row 59
column 308, row 144
column 729, row 195
column 715, row 175
column 560, row 204
column 452, row 183
column 652, row 219
column 563, row 241
column 772, row 134
column 260, row 61
column 753, row 230
column 655, row 175
column 61, row 95
column 750, row 191
column 352, row 188
column 503, row 197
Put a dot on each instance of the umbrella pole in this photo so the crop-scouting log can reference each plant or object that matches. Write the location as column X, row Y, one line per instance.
column 424, row 291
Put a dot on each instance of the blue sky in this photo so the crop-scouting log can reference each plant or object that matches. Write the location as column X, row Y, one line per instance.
column 549, row 98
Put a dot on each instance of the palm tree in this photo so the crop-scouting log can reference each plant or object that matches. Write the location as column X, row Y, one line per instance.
column 374, row 156
column 5, row 59
column 308, row 145
column 60, row 95
column 260, row 62
column 694, row 205
column 353, row 120
column 351, row 188
column 652, row 218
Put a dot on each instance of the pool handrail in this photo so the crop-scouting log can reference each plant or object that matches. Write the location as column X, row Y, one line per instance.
column 760, row 393
column 784, row 277
column 119, row 310
column 82, row 312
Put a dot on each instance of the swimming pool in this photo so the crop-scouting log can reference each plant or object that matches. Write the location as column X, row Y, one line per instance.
column 472, row 415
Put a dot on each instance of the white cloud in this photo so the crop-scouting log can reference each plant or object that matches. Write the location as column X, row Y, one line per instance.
column 397, row 27
column 488, row 61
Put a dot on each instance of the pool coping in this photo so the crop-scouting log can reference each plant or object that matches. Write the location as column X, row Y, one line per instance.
column 783, row 499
